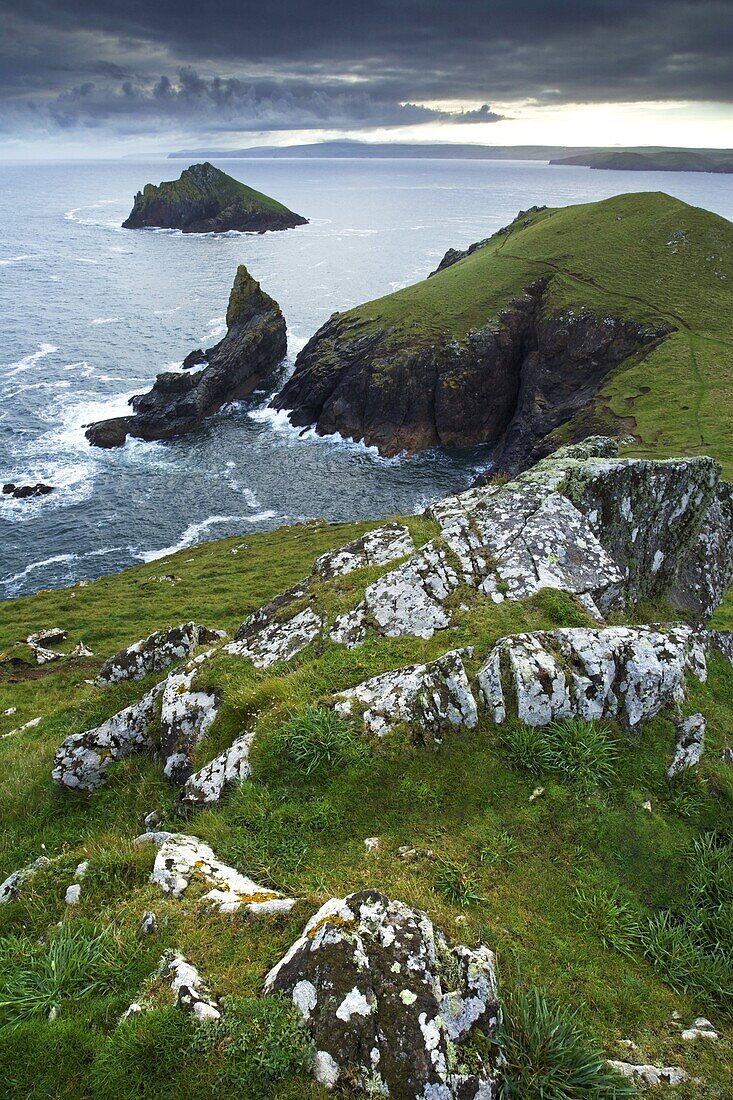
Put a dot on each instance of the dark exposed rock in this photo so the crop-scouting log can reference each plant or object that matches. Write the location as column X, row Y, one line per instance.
column 509, row 383
column 207, row 200
column 21, row 492
column 255, row 343
column 388, row 1003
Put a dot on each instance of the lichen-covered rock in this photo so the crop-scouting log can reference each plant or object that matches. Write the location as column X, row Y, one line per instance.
column 433, row 697
column 191, row 992
column 81, row 761
column 689, row 744
column 650, row 1075
column 378, row 547
column 388, row 1002
column 156, row 652
column 207, row 785
column 278, row 631
column 181, row 859
column 706, row 572
column 409, row 599
column 50, row 636
column 629, row 673
column 185, row 716
column 13, row 884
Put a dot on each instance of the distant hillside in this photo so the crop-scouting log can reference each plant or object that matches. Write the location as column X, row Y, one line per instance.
column 647, row 158
column 654, row 160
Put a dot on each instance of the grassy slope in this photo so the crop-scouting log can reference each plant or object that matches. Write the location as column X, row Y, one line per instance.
column 646, row 257
column 305, row 836
column 227, row 188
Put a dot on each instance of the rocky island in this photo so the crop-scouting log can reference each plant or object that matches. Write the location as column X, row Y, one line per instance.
column 206, row 200
column 254, row 344
column 566, row 321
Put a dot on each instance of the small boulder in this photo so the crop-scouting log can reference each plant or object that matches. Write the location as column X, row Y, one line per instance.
column 11, row 887
column 650, row 1075
column 185, row 716
column 191, row 991
column 689, row 744
column 181, row 859
column 388, row 1002
column 207, row 785
column 23, row 492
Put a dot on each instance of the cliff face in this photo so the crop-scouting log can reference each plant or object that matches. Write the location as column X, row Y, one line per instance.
column 254, row 344
column 510, row 383
column 207, row 200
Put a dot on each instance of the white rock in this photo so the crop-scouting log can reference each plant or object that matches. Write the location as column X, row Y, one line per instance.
column 689, row 744
column 191, row 991
column 650, row 1075
column 181, row 859
column 278, row 640
column 378, row 547
column 156, row 652
column 81, row 761
column 629, row 673
column 185, row 716
column 11, row 887
column 434, row 697
column 73, row 893
column 207, row 785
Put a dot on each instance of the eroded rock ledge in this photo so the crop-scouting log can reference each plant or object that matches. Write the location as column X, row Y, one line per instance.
column 256, row 341
column 510, row 382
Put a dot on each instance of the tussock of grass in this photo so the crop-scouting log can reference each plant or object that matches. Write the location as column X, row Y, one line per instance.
column 549, row 1055
column 579, row 753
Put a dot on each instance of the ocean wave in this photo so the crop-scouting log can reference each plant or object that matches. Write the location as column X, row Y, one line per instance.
column 10, row 260
column 14, row 580
column 105, row 321
column 192, row 534
column 279, row 421
column 217, row 329
column 28, row 361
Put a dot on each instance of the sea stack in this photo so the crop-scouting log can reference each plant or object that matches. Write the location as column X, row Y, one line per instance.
column 206, row 200
column 255, row 343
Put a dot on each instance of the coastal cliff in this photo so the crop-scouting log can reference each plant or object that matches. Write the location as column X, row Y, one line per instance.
column 566, row 321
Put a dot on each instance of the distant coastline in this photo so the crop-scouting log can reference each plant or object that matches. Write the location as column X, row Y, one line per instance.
column 641, row 159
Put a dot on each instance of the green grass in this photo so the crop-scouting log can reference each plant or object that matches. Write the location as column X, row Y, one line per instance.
column 188, row 187
column 510, row 869
column 661, row 262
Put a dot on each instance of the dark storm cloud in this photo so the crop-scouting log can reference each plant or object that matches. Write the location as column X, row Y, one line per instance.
column 291, row 64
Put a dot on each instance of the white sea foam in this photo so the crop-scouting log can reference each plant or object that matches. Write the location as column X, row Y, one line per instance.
column 15, row 579
column 105, row 320
column 28, row 361
column 193, row 532
column 279, row 421
column 217, row 329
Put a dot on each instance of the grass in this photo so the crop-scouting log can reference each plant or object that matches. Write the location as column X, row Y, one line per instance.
column 580, row 754
column 508, row 867
column 189, row 187
column 549, row 1055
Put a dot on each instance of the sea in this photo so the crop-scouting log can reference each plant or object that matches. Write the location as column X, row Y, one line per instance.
column 90, row 313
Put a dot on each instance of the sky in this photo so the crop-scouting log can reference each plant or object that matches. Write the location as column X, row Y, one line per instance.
column 122, row 77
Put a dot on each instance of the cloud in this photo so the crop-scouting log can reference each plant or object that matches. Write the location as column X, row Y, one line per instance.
column 345, row 64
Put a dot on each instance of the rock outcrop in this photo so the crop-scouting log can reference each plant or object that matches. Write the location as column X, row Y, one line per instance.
column 191, row 992
column 206, row 200
column 254, row 344
column 689, row 744
column 433, row 697
column 82, row 759
column 181, row 860
column 156, row 652
column 13, row 884
column 23, row 492
column 628, row 673
column 388, row 1002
